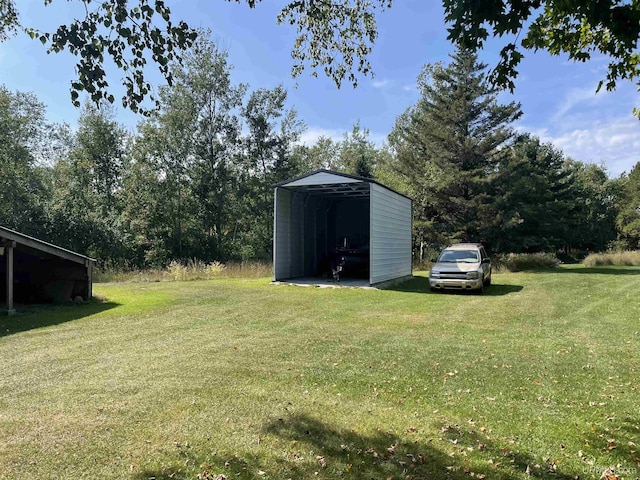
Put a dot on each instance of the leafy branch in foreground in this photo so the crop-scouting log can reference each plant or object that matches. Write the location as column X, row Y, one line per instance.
column 8, row 19
column 335, row 35
column 128, row 35
column 581, row 29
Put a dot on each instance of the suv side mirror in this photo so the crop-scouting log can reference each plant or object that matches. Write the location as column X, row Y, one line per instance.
column 486, row 260
column 433, row 260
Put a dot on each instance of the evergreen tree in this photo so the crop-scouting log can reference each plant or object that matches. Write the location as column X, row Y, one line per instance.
column 449, row 148
column 358, row 154
column 533, row 198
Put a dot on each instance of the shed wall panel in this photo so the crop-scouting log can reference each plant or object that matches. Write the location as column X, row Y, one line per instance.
column 297, row 263
column 291, row 256
column 310, row 235
column 390, row 244
column 282, row 234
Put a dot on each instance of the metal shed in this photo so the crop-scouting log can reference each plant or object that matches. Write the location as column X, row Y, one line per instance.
column 326, row 217
column 34, row 271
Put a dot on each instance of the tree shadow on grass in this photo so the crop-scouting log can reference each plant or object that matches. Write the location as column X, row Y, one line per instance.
column 345, row 453
column 616, row 446
column 219, row 467
column 301, row 446
column 421, row 285
column 39, row 316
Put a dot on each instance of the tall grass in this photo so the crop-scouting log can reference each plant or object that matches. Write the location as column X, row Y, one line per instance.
column 507, row 262
column 518, row 262
column 192, row 269
column 627, row 257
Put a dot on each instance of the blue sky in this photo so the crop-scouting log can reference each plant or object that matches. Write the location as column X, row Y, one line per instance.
column 557, row 96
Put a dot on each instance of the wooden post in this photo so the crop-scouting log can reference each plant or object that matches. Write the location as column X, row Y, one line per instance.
column 89, row 281
column 8, row 249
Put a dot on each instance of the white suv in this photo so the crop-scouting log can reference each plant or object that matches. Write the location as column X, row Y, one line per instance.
column 463, row 266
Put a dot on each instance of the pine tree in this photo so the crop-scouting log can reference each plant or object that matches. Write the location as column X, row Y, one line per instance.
column 535, row 198
column 449, row 147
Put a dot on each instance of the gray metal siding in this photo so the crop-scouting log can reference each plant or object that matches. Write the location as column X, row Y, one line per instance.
column 321, row 178
column 288, row 238
column 390, row 242
column 296, row 267
column 281, row 233
column 310, row 235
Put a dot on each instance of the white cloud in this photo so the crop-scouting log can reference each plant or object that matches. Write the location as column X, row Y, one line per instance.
column 380, row 83
column 595, row 128
column 574, row 99
column 409, row 87
column 312, row 134
column 616, row 144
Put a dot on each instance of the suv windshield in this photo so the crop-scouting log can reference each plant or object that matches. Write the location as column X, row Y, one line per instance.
column 459, row 256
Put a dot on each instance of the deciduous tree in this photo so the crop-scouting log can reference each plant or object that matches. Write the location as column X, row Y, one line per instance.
column 86, row 203
column 24, row 178
column 629, row 217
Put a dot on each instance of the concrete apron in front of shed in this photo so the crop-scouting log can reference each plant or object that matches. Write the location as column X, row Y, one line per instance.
column 346, row 283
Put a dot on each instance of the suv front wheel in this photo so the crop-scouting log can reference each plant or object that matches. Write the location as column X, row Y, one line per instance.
column 487, row 281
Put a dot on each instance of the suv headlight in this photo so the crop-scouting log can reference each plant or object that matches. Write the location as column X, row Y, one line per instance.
column 434, row 274
column 473, row 275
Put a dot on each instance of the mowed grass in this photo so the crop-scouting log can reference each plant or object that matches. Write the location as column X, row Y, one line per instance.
column 537, row 378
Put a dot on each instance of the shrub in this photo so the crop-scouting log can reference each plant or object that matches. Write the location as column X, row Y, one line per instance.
column 214, row 269
column 517, row 262
column 627, row 257
column 176, row 271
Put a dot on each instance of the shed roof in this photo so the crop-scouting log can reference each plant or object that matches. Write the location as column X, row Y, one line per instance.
column 323, row 181
column 31, row 242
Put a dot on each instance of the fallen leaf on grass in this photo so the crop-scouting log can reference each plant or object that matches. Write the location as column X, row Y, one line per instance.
column 207, row 475
column 609, row 474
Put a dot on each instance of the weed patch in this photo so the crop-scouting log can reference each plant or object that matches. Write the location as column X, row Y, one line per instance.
column 630, row 258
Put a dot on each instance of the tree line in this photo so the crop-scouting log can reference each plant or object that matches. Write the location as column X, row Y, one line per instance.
column 195, row 178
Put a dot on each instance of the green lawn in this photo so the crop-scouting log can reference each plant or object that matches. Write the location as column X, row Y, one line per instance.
column 248, row 380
